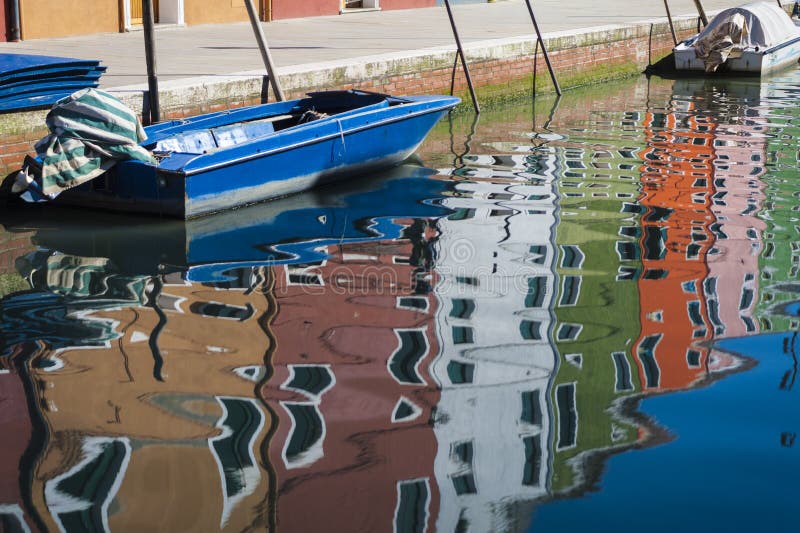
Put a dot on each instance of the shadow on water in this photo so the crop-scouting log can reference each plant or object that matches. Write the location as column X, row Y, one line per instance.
column 285, row 230
column 528, row 333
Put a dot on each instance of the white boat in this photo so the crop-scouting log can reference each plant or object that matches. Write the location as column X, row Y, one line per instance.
column 756, row 38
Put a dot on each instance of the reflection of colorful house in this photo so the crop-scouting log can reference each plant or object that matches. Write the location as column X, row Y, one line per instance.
column 740, row 151
column 352, row 387
column 171, row 415
column 16, row 430
column 700, row 240
column 596, row 306
column 779, row 262
column 677, row 189
column 494, row 322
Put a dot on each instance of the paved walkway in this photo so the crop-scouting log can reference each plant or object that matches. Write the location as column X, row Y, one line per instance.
column 224, row 49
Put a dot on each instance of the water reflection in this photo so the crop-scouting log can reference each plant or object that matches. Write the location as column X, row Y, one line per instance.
column 445, row 349
column 164, row 404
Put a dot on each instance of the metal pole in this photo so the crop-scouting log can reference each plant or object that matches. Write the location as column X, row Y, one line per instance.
column 150, row 57
column 453, row 75
column 262, row 45
column 671, row 26
column 544, row 48
column 701, row 12
column 15, row 24
column 463, row 59
column 535, row 72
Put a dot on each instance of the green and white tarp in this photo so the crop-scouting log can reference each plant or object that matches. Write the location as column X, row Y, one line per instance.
column 90, row 131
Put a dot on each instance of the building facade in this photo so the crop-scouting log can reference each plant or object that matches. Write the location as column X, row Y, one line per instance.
column 283, row 9
column 5, row 20
column 45, row 18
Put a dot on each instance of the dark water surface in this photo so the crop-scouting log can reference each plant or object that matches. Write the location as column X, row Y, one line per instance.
column 578, row 315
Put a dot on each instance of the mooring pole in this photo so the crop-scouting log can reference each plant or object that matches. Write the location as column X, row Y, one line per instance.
column 463, row 59
column 544, row 48
column 262, row 45
column 15, row 21
column 671, row 25
column 701, row 12
column 150, row 57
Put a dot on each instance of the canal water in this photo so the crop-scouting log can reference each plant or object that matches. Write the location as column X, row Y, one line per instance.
column 573, row 314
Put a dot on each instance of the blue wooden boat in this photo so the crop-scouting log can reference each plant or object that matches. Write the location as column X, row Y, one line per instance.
column 228, row 159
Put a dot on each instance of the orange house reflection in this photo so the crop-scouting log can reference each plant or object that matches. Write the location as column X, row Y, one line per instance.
column 699, row 243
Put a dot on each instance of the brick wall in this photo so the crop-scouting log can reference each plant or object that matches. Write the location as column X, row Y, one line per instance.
column 13, row 246
column 18, row 133
column 13, row 149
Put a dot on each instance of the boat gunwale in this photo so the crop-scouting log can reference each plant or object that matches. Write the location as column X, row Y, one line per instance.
column 689, row 45
column 301, row 144
column 782, row 45
column 259, row 112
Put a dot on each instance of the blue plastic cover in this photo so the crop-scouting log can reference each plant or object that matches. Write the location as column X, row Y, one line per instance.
column 11, row 64
column 32, row 101
column 54, row 72
column 44, row 86
column 35, row 81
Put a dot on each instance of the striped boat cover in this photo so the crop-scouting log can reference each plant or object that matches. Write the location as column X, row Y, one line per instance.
column 90, row 131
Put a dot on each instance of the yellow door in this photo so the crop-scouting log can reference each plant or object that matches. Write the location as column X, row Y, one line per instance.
column 136, row 11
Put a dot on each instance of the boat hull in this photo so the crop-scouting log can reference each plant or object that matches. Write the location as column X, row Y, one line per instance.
column 280, row 165
column 756, row 63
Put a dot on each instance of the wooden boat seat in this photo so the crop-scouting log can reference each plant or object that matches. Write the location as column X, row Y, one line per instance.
column 206, row 140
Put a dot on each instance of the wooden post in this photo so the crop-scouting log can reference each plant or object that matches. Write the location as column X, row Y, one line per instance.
column 544, row 48
column 671, row 25
column 150, row 57
column 463, row 59
column 701, row 12
column 262, row 45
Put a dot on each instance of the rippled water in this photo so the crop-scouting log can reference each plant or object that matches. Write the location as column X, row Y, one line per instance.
column 575, row 315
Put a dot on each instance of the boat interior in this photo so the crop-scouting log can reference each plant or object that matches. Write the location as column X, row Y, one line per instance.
column 227, row 131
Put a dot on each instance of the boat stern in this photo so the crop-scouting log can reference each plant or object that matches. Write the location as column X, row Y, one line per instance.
column 685, row 57
column 131, row 186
